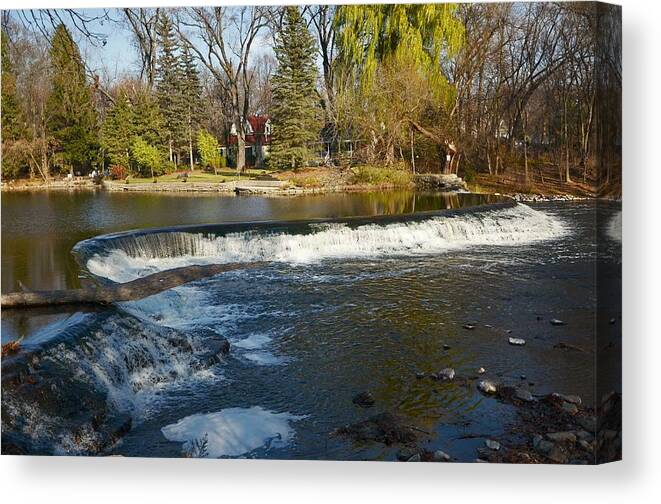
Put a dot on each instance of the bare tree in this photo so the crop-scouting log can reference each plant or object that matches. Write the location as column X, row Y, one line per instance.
column 226, row 37
column 142, row 23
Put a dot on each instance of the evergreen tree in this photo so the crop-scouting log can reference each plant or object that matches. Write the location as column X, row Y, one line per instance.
column 10, row 110
column 295, row 110
column 117, row 131
column 11, row 126
column 72, row 118
column 192, row 94
column 128, row 119
column 169, row 86
column 148, row 122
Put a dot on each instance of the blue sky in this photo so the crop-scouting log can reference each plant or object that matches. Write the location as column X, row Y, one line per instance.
column 119, row 56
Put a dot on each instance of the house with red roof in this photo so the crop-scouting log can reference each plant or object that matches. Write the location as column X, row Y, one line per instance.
column 258, row 139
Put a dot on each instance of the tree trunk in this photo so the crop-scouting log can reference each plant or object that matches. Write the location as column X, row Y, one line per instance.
column 129, row 291
column 412, row 152
column 190, row 147
column 240, row 147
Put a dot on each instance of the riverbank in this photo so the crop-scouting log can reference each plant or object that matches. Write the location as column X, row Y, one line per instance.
column 314, row 181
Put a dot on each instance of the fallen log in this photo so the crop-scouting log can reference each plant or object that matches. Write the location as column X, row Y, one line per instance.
column 129, row 291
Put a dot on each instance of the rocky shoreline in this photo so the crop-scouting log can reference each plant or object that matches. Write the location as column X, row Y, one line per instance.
column 551, row 429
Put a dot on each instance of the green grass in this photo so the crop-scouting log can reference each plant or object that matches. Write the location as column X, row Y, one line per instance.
column 375, row 175
column 224, row 175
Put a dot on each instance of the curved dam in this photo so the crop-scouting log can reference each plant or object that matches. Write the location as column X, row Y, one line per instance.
column 126, row 256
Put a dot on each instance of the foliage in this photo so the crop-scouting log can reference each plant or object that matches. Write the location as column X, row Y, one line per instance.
column 425, row 35
column 72, row 117
column 192, row 96
column 148, row 157
column 374, row 175
column 117, row 131
column 209, row 150
column 170, row 85
column 10, row 110
column 295, row 110
column 131, row 117
column 11, row 130
column 118, row 172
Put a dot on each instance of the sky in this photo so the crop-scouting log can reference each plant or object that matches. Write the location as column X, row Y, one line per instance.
column 119, row 56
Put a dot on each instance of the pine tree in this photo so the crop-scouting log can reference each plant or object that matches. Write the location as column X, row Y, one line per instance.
column 11, row 126
column 192, row 93
column 130, row 118
column 169, row 86
column 117, row 131
column 295, row 109
column 10, row 110
column 72, row 118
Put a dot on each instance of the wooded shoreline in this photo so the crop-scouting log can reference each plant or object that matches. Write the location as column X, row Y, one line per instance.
column 483, row 184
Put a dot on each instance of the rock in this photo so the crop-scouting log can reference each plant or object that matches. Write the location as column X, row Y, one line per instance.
column 557, row 454
column 517, row 341
column 363, row 399
column 492, row 444
column 568, row 346
column 562, row 437
column 573, row 399
column 446, row 347
column 557, row 322
column 523, row 395
column 589, row 423
column 214, row 348
column 481, row 370
column 385, row 428
column 584, row 435
column 405, row 454
column 487, row 387
column 570, row 408
column 446, row 374
column 470, row 327
column 441, row 456
column 541, row 445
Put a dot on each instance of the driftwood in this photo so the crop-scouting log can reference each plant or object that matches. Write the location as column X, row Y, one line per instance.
column 129, row 291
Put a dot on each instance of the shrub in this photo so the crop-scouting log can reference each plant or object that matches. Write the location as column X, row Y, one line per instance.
column 209, row 150
column 309, row 181
column 469, row 175
column 149, row 158
column 374, row 175
column 118, row 172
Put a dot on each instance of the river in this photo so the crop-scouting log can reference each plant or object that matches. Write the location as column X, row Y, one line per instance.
column 344, row 306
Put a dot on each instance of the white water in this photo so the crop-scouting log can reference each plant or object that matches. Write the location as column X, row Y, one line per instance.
column 614, row 227
column 234, row 431
column 133, row 362
column 148, row 254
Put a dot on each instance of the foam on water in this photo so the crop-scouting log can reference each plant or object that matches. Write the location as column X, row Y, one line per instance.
column 233, row 432
column 614, row 227
column 147, row 254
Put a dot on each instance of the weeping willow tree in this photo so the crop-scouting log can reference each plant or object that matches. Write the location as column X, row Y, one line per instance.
column 377, row 41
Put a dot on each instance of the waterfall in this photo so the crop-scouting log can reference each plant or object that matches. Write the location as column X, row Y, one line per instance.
column 132, row 257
